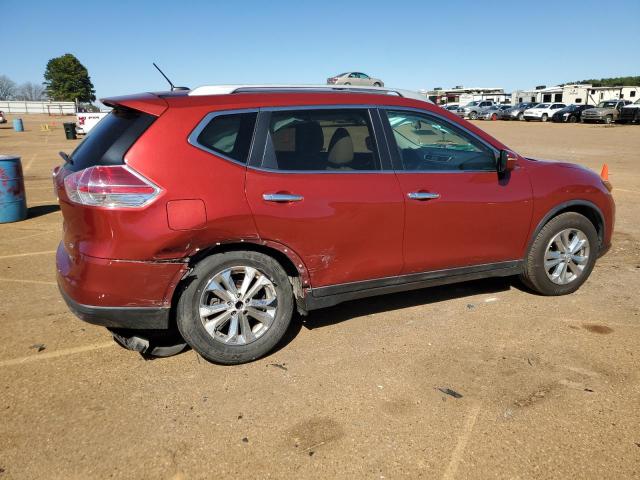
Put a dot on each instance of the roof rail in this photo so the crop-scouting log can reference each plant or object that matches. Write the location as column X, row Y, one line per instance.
column 231, row 89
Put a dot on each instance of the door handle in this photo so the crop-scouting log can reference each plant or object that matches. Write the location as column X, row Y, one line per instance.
column 423, row 195
column 282, row 197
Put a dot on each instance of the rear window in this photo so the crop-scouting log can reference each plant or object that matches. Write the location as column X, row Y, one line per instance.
column 110, row 139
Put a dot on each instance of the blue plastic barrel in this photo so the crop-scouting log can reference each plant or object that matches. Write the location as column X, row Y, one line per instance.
column 13, row 200
column 17, row 125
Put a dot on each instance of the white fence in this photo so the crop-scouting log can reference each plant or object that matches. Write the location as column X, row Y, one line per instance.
column 49, row 108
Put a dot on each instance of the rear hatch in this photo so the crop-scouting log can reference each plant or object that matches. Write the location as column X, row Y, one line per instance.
column 95, row 187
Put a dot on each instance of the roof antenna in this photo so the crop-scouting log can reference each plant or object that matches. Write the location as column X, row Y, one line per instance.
column 173, row 87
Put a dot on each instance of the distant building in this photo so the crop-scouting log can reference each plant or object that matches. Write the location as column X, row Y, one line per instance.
column 462, row 95
column 575, row 93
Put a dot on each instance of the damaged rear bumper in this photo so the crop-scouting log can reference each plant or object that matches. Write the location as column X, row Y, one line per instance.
column 152, row 318
column 118, row 293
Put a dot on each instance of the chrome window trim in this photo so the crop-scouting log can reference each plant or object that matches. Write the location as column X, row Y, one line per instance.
column 493, row 149
column 354, row 106
column 192, row 139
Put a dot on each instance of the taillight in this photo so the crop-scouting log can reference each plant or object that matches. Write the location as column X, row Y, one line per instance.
column 115, row 186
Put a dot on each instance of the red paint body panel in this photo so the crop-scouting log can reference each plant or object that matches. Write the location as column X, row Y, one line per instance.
column 111, row 283
column 186, row 214
column 479, row 218
column 144, row 102
column 556, row 183
column 349, row 227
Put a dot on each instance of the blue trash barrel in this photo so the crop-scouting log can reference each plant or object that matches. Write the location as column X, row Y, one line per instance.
column 13, row 200
column 17, row 125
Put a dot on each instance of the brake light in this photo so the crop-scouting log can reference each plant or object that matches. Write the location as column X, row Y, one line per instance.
column 114, row 186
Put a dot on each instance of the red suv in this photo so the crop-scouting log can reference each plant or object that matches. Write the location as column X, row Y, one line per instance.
column 221, row 210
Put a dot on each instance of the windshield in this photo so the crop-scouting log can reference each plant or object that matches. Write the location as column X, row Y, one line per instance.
column 607, row 104
column 473, row 104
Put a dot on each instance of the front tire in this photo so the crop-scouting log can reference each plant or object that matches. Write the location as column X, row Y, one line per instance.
column 377, row 84
column 608, row 120
column 562, row 255
column 572, row 119
column 521, row 116
column 237, row 307
column 473, row 116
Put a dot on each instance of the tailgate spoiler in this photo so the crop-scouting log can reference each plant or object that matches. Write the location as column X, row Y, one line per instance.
column 143, row 102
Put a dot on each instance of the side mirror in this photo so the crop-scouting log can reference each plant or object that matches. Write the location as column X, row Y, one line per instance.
column 506, row 162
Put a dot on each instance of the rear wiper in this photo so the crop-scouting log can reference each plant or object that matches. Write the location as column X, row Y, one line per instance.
column 67, row 159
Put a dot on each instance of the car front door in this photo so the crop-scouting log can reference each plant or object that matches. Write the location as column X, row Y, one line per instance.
column 459, row 212
column 318, row 184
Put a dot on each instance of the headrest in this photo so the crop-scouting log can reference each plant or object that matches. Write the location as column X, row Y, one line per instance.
column 341, row 147
column 309, row 137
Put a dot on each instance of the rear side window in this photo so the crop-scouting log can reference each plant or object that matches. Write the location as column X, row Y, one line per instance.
column 229, row 135
column 321, row 140
column 110, row 139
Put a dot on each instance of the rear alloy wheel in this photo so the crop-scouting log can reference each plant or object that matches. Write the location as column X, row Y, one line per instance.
column 377, row 84
column 572, row 119
column 237, row 308
column 346, row 83
column 544, row 117
column 562, row 256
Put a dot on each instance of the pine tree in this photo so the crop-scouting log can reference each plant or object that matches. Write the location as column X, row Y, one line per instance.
column 66, row 79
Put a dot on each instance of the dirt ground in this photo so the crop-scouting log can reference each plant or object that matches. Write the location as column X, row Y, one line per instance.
column 550, row 386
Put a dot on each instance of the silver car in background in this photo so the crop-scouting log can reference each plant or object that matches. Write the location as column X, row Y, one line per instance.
column 494, row 112
column 517, row 111
column 355, row 78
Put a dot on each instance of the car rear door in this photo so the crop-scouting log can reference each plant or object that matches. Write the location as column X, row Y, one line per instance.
column 459, row 212
column 319, row 184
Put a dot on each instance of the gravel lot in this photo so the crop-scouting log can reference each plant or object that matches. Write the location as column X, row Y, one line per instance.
column 550, row 386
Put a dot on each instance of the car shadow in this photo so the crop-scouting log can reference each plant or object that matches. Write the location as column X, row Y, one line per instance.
column 34, row 212
column 397, row 301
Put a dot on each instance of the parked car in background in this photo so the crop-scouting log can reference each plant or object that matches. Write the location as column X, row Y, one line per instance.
column 355, row 78
column 494, row 112
column 3, row 119
column 452, row 107
column 281, row 200
column 472, row 109
column 630, row 113
column 570, row 113
column 606, row 111
column 542, row 111
column 516, row 112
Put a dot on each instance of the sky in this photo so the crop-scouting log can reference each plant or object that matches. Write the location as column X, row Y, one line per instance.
column 415, row 45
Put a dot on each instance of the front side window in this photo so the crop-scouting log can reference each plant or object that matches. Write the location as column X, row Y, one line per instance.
column 426, row 143
column 229, row 135
column 321, row 140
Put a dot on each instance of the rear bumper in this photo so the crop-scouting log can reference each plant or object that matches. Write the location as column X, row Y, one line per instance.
column 152, row 318
column 115, row 293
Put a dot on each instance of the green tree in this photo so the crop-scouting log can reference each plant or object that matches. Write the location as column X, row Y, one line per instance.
column 66, row 80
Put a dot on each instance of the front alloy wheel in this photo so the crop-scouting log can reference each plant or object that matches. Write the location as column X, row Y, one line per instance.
column 567, row 255
column 562, row 255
